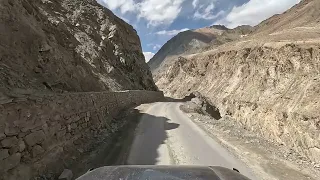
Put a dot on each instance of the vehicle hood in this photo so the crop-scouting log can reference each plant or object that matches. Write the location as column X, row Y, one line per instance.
column 162, row 172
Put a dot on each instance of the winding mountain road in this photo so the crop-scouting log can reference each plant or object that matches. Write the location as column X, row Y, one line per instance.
column 166, row 136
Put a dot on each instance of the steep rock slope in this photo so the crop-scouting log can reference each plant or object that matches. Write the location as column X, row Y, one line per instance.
column 68, row 46
column 268, row 82
column 298, row 18
column 194, row 41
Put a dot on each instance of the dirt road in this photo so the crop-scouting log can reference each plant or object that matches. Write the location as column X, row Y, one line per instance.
column 166, row 136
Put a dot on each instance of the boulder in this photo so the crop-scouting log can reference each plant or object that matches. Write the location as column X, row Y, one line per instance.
column 37, row 150
column 200, row 104
column 11, row 131
column 34, row 138
column 9, row 142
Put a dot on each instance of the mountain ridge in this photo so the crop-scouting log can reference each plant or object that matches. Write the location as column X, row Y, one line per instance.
column 267, row 81
column 194, row 41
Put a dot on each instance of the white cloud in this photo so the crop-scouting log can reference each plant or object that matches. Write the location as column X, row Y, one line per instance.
column 255, row 11
column 124, row 5
column 207, row 13
column 148, row 55
column 156, row 47
column 195, row 3
column 171, row 32
column 158, row 12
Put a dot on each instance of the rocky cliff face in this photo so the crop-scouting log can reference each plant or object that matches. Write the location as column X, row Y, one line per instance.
column 66, row 45
column 268, row 82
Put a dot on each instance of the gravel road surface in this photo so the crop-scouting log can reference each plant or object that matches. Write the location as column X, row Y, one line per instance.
column 166, row 136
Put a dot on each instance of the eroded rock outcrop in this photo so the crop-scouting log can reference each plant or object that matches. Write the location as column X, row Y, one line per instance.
column 68, row 46
column 196, row 103
column 268, row 82
column 271, row 91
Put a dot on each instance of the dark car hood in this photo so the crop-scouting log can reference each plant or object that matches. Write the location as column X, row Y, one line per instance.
column 162, row 173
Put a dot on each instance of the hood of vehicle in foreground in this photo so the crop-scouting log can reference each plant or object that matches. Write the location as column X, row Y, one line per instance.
column 163, row 173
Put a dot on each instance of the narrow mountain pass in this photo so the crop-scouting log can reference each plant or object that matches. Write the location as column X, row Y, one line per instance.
column 166, row 136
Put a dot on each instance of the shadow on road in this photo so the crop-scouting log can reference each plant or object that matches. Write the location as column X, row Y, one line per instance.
column 142, row 134
column 149, row 142
column 169, row 99
column 170, row 126
column 185, row 99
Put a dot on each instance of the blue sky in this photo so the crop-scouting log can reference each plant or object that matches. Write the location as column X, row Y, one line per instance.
column 156, row 21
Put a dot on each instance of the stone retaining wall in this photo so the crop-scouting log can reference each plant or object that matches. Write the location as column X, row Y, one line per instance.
column 35, row 128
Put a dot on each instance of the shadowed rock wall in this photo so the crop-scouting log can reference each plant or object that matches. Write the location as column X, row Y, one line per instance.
column 34, row 129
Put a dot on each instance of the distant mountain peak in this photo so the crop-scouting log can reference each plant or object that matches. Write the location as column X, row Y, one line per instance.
column 195, row 41
column 220, row 27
